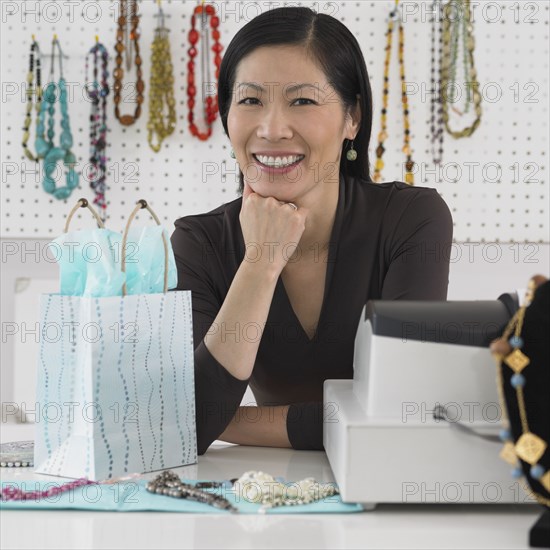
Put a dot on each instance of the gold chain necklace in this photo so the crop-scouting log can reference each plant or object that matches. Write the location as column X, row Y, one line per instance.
column 529, row 447
column 161, row 87
column 452, row 25
column 409, row 177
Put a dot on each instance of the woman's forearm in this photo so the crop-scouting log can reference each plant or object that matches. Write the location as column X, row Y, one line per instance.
column 234, row 337
column 260, row 426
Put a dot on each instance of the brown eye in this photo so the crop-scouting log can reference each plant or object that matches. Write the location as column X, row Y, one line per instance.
column 311, row 102
column 243, row 101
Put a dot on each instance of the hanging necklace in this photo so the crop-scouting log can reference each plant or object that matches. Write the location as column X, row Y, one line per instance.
column 128, row 14
column 161, row 87
column 46, row 149
column 436, row 121
column 529, row 446
column 409, row 177
column 453, row 27
column 97, row 92
column 210, row 103
column 35, row 50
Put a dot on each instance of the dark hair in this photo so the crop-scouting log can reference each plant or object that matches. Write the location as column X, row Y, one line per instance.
column 328, row 41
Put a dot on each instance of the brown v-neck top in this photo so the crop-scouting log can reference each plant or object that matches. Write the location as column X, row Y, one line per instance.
column 389, row 241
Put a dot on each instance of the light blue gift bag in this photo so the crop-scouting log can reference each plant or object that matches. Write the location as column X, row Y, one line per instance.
column 115, row 385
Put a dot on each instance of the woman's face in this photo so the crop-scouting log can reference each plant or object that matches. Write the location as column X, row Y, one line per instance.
column 287, row 125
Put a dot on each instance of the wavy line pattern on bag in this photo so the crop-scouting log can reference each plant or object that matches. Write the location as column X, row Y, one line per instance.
column 88, row 452
column 60, row 379
column 68, row 433
column 97, row 392
column 150, row 332
column 124, row 385
column 175, row 385
column 61, row 450
column 161, row 382
column 140, row 442
column 46, row 378
column 189, row 376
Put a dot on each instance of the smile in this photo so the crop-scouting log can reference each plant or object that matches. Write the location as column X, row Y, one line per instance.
column 279, row 162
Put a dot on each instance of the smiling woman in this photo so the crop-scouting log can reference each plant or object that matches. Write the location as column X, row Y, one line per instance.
column 297, row 129
column 277, row 292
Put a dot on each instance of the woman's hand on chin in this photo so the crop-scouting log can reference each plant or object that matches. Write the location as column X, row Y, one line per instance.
column 271, row 229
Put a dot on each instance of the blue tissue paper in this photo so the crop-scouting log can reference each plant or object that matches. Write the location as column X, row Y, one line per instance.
column 87, row 265
column 145, row 257
column 90, row 262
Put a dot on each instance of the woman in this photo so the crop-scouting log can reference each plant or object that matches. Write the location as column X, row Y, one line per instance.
column 280, row 275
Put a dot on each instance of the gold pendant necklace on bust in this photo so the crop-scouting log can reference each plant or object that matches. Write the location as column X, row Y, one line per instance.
column 529, row 447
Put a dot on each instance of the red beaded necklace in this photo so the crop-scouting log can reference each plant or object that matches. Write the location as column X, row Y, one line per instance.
column 211, row 104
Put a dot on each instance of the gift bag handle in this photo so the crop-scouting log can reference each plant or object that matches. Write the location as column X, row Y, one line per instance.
column 82, row 203
column 139, row 205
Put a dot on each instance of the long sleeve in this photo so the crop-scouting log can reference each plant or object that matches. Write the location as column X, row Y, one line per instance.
column 417, row 250
column 218, row 394
column 304, row 426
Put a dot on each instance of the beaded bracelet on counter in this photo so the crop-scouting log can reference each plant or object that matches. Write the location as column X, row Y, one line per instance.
column 15, row 493
column 270, row 492
column 169, row 484
column 17, row 454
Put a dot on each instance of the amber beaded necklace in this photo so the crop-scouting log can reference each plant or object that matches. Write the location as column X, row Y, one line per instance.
column 128, row 11
column 409, row 177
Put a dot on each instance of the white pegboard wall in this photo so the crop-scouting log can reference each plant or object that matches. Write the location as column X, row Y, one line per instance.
column 495, row 181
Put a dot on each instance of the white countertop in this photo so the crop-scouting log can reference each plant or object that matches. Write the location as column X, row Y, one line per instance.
column 422, row 526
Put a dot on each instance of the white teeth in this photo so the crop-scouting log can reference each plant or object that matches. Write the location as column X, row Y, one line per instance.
column 279, row 162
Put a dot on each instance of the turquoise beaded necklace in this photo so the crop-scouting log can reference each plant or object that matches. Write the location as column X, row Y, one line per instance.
column 45, row 149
